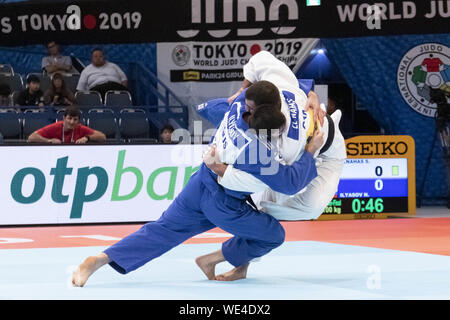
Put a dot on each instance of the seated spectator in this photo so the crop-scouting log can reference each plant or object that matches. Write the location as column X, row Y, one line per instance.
column 102, row 75
column 32, row 95
column 5, row 92
column 58, row 94
column 67, row 131
column 55, row 62
column 166, row 134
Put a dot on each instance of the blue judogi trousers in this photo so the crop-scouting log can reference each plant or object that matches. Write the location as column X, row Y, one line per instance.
column 200, row 206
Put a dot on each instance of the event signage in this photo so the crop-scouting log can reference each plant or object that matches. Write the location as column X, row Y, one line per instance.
column 70, row 184
column 127, row 183
column 423, row 76
column 197, row 71
column 133, row 21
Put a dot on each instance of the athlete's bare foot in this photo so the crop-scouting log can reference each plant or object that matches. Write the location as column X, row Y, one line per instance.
column 208, row 262
column 234, row 274
column 87, row 268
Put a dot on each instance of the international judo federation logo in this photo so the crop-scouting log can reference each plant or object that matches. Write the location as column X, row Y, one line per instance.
column 423, row 77
column 181, row 55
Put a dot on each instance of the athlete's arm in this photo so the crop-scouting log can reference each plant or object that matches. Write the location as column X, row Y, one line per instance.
column 265, row 66
column 213, row 110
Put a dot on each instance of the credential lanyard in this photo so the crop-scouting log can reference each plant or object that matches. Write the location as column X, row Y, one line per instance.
column 71, row 139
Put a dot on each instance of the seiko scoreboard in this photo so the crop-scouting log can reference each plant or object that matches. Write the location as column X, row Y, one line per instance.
column 378, row 179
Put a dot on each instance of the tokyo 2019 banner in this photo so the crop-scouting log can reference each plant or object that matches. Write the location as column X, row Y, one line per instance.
column 201, row 71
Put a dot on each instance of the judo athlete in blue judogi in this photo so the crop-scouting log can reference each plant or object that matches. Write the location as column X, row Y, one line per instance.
column 203, row 204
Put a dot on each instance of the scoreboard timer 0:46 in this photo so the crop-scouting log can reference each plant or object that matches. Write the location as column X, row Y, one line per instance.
column 378, row 179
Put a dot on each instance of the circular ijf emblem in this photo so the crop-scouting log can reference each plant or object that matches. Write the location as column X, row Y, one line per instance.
column 181, row 55
column 423, row 77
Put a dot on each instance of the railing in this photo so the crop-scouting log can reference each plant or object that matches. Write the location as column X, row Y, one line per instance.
column 147, row 86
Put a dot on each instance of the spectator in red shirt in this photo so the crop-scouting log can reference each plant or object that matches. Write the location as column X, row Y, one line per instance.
column 67, row 131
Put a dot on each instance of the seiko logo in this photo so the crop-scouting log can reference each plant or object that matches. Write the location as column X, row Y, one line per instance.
column 376, row 148
column 243, row 7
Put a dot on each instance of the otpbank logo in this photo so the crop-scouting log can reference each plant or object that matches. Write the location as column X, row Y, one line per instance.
column 56, row 179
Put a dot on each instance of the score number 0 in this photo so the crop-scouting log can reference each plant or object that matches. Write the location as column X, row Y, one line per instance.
column 372, row 204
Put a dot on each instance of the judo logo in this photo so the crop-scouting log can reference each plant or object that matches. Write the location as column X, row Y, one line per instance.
column 204, row 12
column 181, row 55
column 423, row 76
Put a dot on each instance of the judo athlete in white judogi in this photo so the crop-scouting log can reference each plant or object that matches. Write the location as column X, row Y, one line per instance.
column 310, row 202
column 204, row 204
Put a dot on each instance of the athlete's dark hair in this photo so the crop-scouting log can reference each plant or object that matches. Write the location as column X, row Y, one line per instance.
column 266, row 117
column 267, row 113
column 264, row 93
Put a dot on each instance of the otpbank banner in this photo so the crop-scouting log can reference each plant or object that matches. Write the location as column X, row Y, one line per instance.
column 88, row 184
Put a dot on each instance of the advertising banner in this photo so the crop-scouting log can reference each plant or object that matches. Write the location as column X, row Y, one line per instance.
column 134, row 21
column 199, row 71
column 128, row 183
column 67, row 184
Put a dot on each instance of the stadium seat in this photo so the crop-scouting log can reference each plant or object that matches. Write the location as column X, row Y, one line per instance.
column 10, row 124
column 118, row 99
column 103, row 120
column 14, row 81
column 71, row 81
column 88, row 99
column 6, row 68
column 14, row 97
column 134, row 125
column 11, row 100
column 34, row 119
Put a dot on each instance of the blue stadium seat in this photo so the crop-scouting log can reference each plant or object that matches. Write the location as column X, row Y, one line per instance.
column 14, row 97
column 14, row 81
column 71, row 81
column 103, row 120
column 34, row 119
column 88, row 99
column 10, row 124
column 6, row 68
column 118, row 99
column 134, row 125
